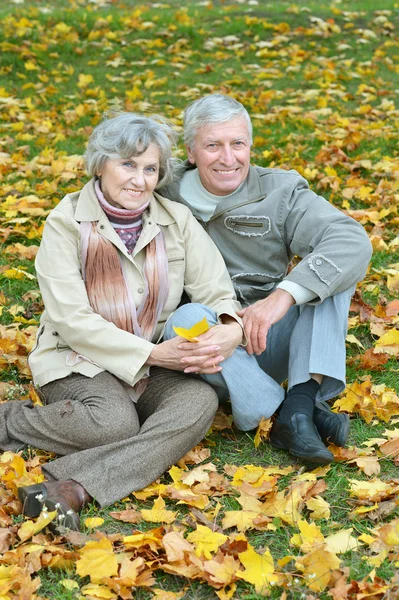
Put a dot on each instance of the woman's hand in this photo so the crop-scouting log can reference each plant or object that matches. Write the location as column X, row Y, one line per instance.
column 170, row 355
column 224, row 337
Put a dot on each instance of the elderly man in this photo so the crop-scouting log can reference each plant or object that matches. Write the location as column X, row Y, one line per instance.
column 295, row 320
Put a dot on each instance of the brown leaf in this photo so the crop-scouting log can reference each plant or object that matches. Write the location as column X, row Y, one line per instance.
column 384, row 509
column 392, row 308
column 7, row 538
column 127, row 516
column 391, row 448
column 358, row 305
column 369, row 361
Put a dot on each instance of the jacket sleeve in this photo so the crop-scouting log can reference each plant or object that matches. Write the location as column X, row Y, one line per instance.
column 65, row 299
column 334, row 248
column 206, row 277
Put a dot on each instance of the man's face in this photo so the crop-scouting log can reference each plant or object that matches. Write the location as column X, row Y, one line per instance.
column 221, row 153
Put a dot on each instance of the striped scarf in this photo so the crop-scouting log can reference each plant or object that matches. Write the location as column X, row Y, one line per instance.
column 106, row 283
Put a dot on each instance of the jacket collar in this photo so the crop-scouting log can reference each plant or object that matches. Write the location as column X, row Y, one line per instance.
column 250, row 191
column 89, row 209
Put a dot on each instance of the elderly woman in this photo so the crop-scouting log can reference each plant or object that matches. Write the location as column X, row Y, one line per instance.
column 113, row 263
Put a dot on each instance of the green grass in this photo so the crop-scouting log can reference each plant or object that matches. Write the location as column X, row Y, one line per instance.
column 310, row 85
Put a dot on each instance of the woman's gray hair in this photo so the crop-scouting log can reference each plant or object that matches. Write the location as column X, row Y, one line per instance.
column 210, row 110
column 125, row 135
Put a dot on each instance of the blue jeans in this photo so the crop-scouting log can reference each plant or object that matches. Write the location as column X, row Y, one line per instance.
column 253, row 393
column 309, row 339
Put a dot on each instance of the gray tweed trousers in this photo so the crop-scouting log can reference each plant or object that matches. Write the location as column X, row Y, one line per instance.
column 108, row 444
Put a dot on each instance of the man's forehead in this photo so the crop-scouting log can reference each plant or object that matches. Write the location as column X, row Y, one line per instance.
column 235, row 128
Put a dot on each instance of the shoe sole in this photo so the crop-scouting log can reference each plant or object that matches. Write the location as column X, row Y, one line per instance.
column 31, row 505
column 316, row 459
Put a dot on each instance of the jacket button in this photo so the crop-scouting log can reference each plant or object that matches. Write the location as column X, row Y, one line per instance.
column 102, row 227
column 318, row 262
column 140, row 290
column 55, row 333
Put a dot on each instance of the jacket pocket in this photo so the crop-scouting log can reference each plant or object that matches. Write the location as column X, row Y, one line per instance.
column 251, row 287
column 248, row 225
column 176, row 271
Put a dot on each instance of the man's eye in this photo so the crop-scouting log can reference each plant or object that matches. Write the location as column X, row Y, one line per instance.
column 238, row 143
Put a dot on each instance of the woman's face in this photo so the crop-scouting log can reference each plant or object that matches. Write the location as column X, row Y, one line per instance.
column 129, row 182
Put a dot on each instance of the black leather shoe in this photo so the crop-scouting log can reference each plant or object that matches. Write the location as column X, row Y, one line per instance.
column 332, row 427
column 300, row 437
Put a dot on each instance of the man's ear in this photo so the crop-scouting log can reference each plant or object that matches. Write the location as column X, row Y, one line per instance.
column 190, row 155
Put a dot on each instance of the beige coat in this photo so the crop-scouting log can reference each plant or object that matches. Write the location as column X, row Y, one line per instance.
column 69, row 323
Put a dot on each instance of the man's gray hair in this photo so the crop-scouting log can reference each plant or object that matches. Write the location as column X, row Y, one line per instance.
column 210, row 110
column 125, row 135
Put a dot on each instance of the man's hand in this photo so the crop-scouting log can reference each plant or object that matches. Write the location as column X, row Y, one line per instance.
column 223, row 337
column 259, row 317
column 169, row 355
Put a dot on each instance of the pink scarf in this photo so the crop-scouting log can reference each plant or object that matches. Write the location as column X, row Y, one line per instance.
column 106, row 283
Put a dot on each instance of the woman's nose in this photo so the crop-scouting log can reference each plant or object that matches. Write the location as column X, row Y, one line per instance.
column 138, row 178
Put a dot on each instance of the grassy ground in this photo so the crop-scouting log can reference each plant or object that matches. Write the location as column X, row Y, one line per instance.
column 321, row 82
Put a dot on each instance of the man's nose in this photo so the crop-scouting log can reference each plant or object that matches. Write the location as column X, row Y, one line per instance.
column 227, row 155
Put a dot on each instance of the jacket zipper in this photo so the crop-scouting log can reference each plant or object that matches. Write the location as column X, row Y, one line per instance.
column 248, row 224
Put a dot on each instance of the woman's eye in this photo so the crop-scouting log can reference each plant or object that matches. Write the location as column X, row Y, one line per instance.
column 127, row 164
column 152, row 170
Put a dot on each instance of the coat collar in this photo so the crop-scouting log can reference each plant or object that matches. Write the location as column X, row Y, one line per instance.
column 250, row 191
column 89, row 209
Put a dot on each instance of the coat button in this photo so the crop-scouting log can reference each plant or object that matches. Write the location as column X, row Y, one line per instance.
column 102, row 226
column 140, row 290
column 318, row 262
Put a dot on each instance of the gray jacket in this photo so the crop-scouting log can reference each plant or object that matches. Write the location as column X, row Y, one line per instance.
column 274, row 216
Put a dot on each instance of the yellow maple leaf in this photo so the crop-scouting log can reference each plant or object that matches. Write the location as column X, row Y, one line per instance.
column 30, row 528
column 317, row 567
column 131, row 569
column 309, row 536
column 374, row 490
column 390, row 338
column 262, row 433
column 223, row 570
column 69, row 584
column 206, row 541
column 259, row 569
column 242, row 519
column 92, row 522
column 97, row 560
column 342, row 541
column 155, row 489
column 84, row 80
column 320, row 508
column 192, row 333
column 163, row 595
column 152, row 538
column 17, row 273
column 158, row 513
column 227, row 592
column 368, row 464
column 98, row 591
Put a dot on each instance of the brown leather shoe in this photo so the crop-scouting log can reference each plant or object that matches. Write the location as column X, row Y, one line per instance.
column 66, row 497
